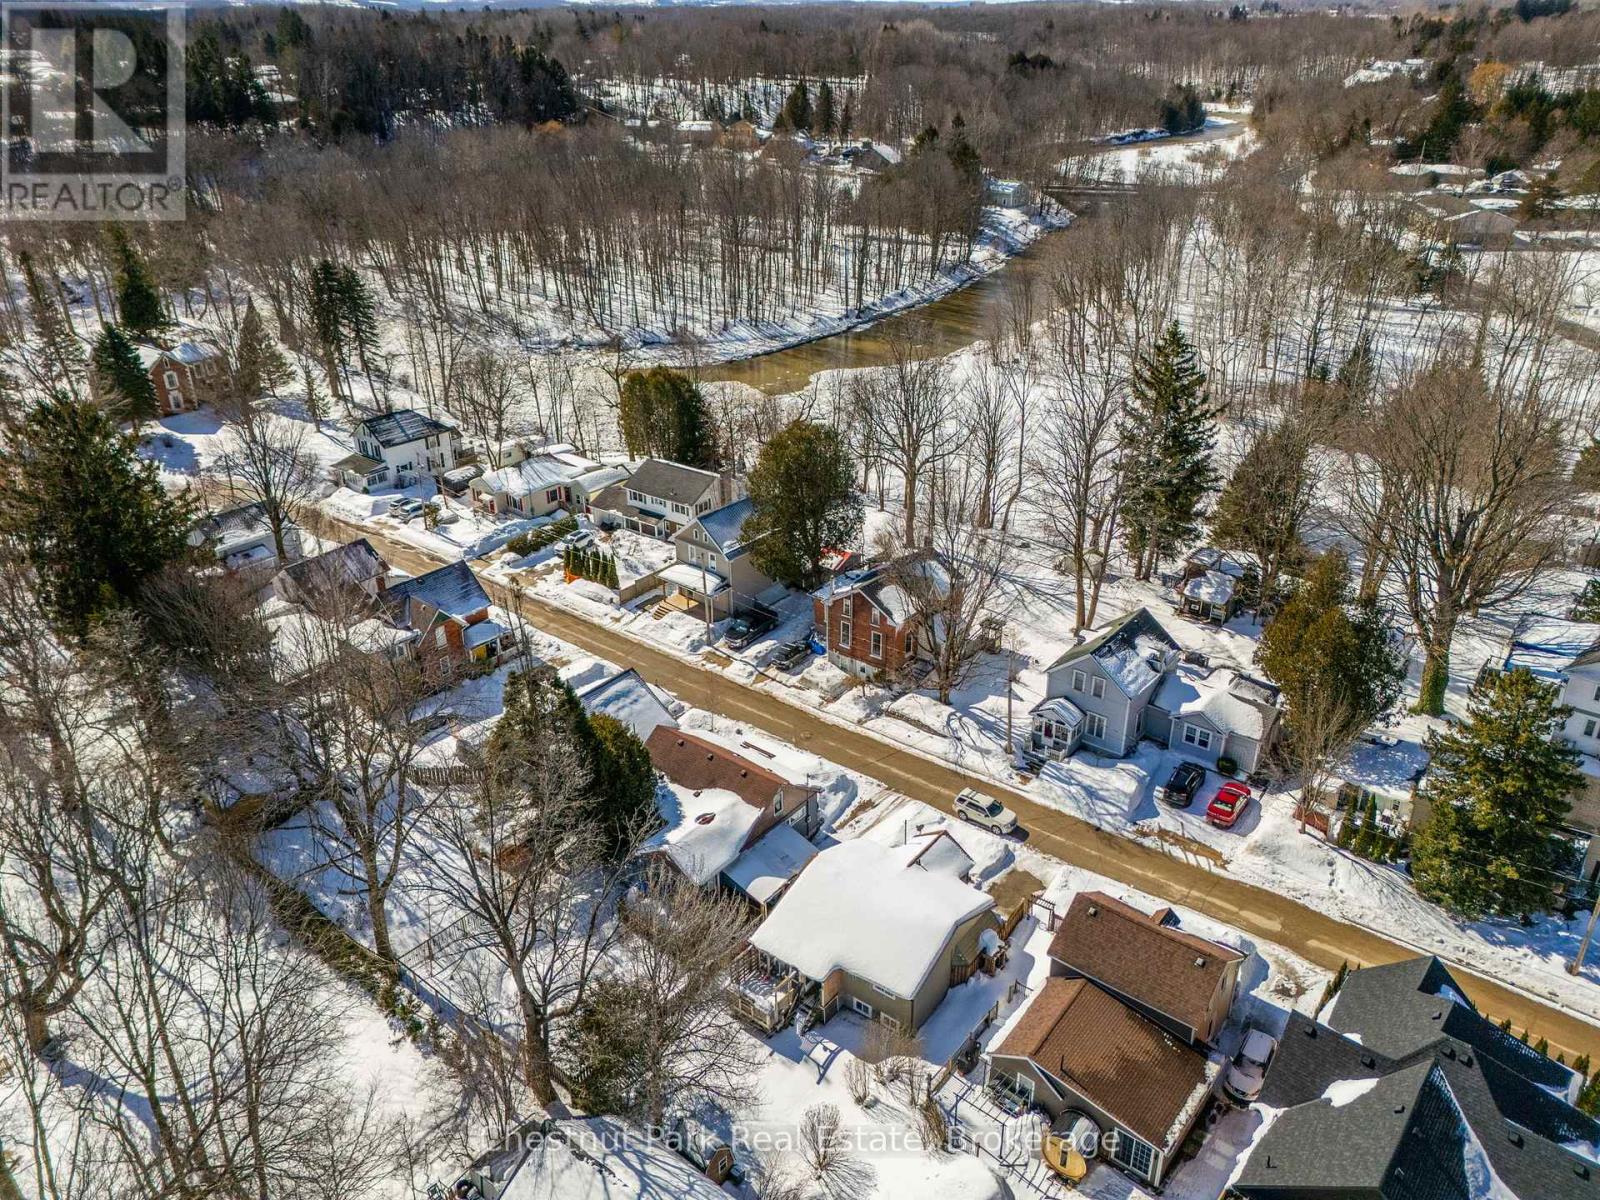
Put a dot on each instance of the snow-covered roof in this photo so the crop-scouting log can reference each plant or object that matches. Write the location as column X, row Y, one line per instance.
column 599, row 1158
column 1232, row 703
column 190, row 353
column 709, row 833
column 627, row 697
column 762, row 871
column 696, row 578
column 1210, row 587
column 936, row 851
column 536, row 473
column 1386, row 766
column 481, row 634
column 881, row 585
column 856, row 908
column 1059, row 708
column 1550, row 646
column 594, row 481
column 1134, row 652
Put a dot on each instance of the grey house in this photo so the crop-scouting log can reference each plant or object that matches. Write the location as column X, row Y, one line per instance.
column 1097, row 692
column 1406, row 1091
column 714, row 566
column 661, row 497
column 1214, row 713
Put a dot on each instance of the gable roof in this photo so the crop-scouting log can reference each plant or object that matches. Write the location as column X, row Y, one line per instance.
column 1159, row 966
column 629, row 698
column 882, row 585
column 401, row 427
column 1132, row 652
column 1229, row 701
column 546, row 468
column 452, row 590
column 671, row 481
column 1519, row 1127
column 348, row 565
column 725, row 526
column 698, row 763
column 855, row 908
column 1122, row 1061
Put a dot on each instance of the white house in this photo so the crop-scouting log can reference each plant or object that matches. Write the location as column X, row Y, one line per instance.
column 544, row 480
column 395, row 449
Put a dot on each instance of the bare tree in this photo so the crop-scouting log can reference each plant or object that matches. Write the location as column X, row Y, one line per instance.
column 1466, row 488
column 486, row 400
column 908, row 411
column 268, row 461
column 821, row 1140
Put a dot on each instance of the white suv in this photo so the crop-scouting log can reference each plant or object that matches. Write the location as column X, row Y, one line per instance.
column 984, row 810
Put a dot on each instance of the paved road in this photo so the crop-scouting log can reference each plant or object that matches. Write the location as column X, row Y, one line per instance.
column 1257, row 911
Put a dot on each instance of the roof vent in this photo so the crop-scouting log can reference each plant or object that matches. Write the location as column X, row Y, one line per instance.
column 705, row 818
column 1200, row 962
column 1399, row 1108
column 681, row 743
column 1449, row 1051
column 1514, row 1137
column 743, row 774
column 1094, row 910
column 1438, row 1014
column 711, row 758
column 1581, row 1171
column 1466, row 1059
column 1369, row 1062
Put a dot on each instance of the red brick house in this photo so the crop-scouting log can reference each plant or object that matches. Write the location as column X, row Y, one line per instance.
column 185, row 376
column 867, row 621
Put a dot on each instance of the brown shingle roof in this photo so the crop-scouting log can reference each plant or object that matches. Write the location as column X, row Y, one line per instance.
column 1124, row 1063
column 1163, row 968
column 696, row 763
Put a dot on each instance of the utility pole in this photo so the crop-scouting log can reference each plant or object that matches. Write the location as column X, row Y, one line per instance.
column 1576, row 964
column 1011, row 678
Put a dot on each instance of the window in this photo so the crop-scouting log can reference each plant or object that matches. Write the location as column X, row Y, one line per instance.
column 1097, row 687
column 908, row 643
column 1194, row 736
column 680, row 508
column 861, row 1006
column 175, row 399
column 777, row 802
column 1588, row 728
column 844, row 633
column 1130, row 1152
column 552, row 496
column 891, row 1022
column 378, row 476
column 1078, row 678
column 877, row 644
column 1094, row 726
column 172, row 379
column 439, row 638
column 634, row 497
column 1597, row 691
column 883, row 991
column 1024, row 1086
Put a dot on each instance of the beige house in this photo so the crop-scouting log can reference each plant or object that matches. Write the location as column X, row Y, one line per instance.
column 872, row 929
column 714, row 566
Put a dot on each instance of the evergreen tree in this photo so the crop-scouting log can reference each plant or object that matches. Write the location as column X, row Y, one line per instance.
column 1581, row 1066
column 847, row 117
column 1586, row 470
column 91, row 517
column 824, row 120
column 1330, row 654
column 63, row 354
column 1587, row 606
column 1542, row 1046
column 623, row 785
column 804, row 503
column 796, row 112
column 1166, row 437
column 121, row 378
column 1358, row 372
column 327, row 318
column 663, row 414
column 260, row 368
column 1589, row 1097
column 358, row 313
column 138, row 299
column 1261, row 507
column 1498, row 791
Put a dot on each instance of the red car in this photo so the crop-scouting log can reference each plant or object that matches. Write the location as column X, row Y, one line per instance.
column 1228, row 804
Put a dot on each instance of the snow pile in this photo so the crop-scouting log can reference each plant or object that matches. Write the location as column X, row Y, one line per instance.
column 1347, row 1091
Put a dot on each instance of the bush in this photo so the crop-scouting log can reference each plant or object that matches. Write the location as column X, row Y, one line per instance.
column 534, row 540
column 1227, row 766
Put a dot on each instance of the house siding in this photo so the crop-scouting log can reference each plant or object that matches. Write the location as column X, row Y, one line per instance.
column 1121, row 715
column 1057, row 1096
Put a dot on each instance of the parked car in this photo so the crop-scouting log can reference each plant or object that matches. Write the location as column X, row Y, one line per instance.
column 1182, row 784
column 406, row 508
column 744, row 630
column 791, row 654
column 1248, row 1070
column 1228, row 805
column 979, row 809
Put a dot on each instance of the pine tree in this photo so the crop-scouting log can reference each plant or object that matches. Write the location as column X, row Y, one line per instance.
column 1542, row 1046
column 847, row 118
column 260, row 368
column 796, row 112
column 663, row 414
column 63, row 354
column 91, row 517
column 823, row 121
column 359, row 313
column 1505, row 1026
column 1586, row 470
column 1587, row 606
column 1498, row 791
column 121, row 378
column 139, row 306
column 1589, row 1097
column 316, row 409
column 1166, row 437
column 1266, row 499
column 327, row 318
